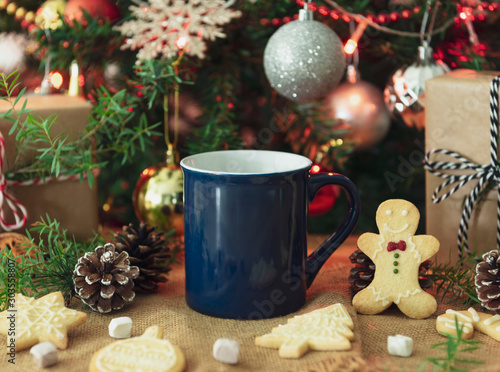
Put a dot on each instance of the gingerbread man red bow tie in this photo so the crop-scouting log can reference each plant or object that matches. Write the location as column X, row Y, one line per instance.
column 392, row 246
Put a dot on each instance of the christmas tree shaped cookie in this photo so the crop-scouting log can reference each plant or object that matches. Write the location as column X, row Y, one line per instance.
column 329, row 328
column 397, row 253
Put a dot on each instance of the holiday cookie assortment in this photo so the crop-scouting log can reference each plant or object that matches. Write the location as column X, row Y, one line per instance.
column 396, row 253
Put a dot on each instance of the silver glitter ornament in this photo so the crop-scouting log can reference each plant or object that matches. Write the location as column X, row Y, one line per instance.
column 304, row 59
column 360, row 108
column 404, row 94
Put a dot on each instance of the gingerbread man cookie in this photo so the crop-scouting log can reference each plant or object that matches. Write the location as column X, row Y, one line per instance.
column 397, row 254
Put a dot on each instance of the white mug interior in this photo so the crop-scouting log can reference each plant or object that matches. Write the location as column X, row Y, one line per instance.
column 246, row 162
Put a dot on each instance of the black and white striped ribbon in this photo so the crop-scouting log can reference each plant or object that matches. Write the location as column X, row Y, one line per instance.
column 484, row 173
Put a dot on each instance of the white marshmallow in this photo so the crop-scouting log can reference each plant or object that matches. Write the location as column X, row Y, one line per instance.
column 120, row 327
column 44, row 354
column 400, row 345
column 226, row 351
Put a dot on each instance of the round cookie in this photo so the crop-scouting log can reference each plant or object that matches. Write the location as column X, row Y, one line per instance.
column 146, row 353
column 18, row 244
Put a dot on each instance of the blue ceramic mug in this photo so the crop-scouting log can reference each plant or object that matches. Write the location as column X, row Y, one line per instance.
column 245, row 214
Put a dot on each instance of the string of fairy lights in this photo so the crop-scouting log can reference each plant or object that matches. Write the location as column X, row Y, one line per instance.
column 468, row 13
column 474, row 13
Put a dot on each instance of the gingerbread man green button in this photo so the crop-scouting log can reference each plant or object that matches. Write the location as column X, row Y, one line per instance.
column 397, row 246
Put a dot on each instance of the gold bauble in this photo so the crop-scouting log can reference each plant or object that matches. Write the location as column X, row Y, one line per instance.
column 158, row 197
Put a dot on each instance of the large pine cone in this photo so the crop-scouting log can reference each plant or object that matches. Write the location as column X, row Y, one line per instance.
column 147, row 250
column 363, row 273
column 104, row 279
column 488, row 280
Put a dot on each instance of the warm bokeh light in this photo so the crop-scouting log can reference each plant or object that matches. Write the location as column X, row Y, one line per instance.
column 181, row 42
column 56, row 79
column 315, row 168
column 355, row 99
column 350, row 46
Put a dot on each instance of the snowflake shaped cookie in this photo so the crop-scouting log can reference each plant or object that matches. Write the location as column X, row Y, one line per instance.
column 164, row 27
column 39, row 320
column 329, row 328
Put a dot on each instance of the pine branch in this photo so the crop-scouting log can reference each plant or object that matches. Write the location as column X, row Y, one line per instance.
column 47, row 266
column 456, row 280
column 454, row 346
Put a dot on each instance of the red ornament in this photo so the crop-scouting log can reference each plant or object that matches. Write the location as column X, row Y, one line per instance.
column 104, row 9
column 325, row 198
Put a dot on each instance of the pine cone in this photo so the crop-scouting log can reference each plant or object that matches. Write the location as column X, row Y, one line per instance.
column 488, row 280
column 362, row 274
column 147, row 250
column 104, row 279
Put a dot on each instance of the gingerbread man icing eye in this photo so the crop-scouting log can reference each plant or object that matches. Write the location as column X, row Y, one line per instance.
column 388, row 212
column 404, row 213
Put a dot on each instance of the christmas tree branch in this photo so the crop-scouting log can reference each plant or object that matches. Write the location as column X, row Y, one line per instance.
column 456, row 279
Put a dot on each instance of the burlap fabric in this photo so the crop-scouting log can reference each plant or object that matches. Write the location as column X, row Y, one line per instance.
column 195, row 333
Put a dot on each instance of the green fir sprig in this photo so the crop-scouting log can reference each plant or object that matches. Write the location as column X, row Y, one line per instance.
column 157, row 77
column 47, row 265
column 118, row 126
column 456, row 281
column 454, row 347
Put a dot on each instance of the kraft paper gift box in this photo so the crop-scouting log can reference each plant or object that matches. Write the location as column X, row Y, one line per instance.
column 458, row 119
column 73, row 203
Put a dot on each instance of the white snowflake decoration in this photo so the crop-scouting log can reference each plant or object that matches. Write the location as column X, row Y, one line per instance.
column 164, row 27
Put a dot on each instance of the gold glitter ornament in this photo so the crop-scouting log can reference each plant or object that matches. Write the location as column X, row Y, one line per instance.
column 158, row 195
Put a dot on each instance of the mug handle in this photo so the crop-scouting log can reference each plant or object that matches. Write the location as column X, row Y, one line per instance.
column 315, row 260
